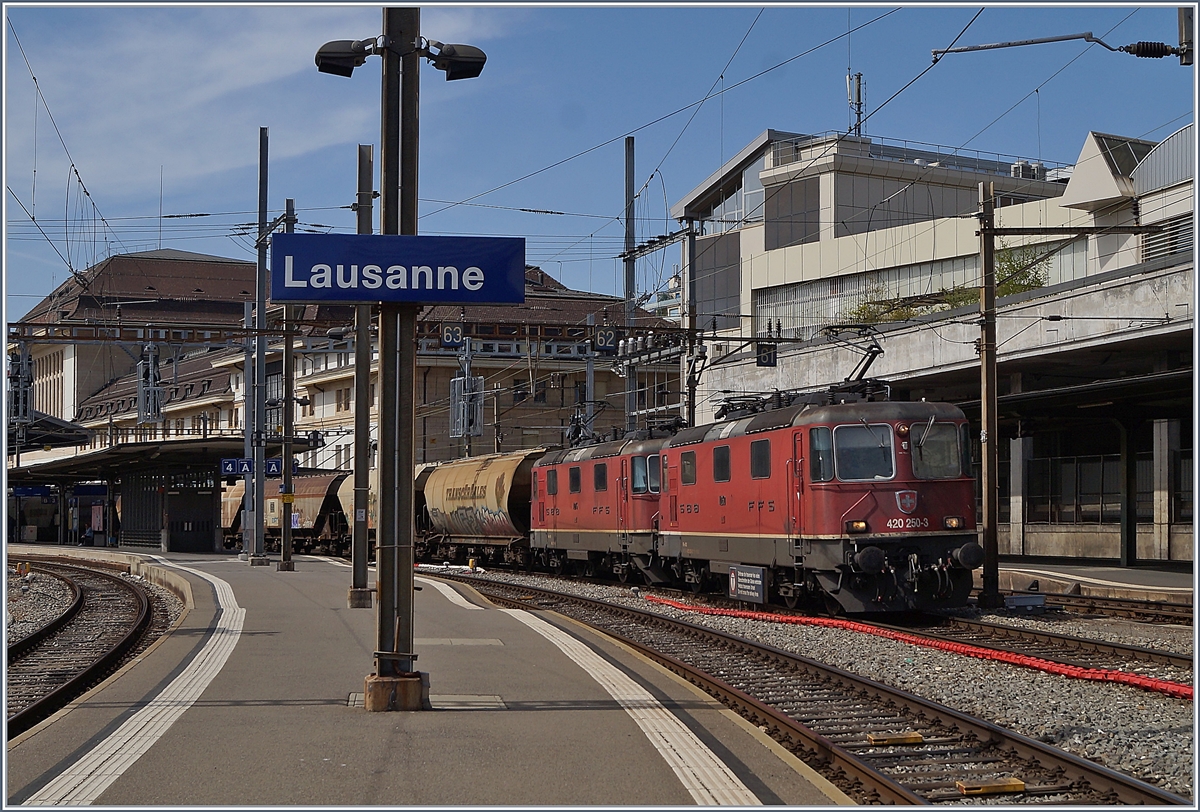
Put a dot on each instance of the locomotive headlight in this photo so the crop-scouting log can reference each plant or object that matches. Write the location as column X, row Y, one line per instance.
column 902, row 430
column 856, row 527
column 952, row 522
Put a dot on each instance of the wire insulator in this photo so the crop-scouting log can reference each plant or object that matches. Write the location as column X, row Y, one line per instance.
column 1150, row 50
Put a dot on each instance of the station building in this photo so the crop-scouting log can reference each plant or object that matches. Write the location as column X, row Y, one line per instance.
column 827, row 243
column 86, row 340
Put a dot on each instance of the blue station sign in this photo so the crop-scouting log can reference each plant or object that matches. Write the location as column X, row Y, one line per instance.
column 396, row 268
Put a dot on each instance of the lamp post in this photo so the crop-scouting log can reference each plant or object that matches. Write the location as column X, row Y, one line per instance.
column 395, row 685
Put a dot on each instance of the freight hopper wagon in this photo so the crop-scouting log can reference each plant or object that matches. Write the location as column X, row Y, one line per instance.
column 477, row 509
column 319, row 522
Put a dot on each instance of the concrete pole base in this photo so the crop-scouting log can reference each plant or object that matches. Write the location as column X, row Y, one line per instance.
column 259, row 561
column 285, row 566
column 243, row 556
column 359, row 598
column 407, row 692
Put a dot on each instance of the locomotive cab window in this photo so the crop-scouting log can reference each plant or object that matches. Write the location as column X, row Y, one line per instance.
column 687, row 468
column 760, row 459
column 600, row 476
column 863, row 452
column 534, row 490
column 638, row 478
column 653, row 473
column 820, row 454
column 935, row 451
column 552, row 482
column 721, row 463
column 574, row 479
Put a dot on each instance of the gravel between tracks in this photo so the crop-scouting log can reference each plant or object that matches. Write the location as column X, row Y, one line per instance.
column 38, row 598
column 1137, row 732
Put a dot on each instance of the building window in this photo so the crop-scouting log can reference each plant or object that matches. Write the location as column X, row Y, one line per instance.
column 581, row 393
column 342, row 399
column 520, row 390
column 539, row 392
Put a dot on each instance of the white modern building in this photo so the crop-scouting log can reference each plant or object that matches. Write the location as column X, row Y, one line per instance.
column 831, row 243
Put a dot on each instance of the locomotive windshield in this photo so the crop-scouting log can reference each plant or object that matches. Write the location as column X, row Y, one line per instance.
column 935, row 451
column 644, row 474
column 863, row 451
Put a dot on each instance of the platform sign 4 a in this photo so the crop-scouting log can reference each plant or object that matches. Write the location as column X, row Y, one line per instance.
column 366, row 268
column 236, row 466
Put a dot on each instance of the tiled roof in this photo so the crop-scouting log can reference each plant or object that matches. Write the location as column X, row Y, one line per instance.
column 152, row 286
column 194, row 379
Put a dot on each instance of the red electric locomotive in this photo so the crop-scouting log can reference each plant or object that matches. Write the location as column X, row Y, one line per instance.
column 869, row 505
column 596, row 508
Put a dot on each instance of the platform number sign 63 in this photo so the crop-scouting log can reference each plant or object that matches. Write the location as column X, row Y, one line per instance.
column 452, row 335
column 604, row 339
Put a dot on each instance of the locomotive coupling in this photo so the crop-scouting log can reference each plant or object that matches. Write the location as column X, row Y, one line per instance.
column 969, row 556
column 870, row 560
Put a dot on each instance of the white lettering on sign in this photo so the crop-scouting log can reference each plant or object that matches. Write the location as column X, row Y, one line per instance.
column 397, row 277
column 288, row 280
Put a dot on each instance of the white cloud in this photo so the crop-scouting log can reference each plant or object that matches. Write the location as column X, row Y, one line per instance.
column 188, row 88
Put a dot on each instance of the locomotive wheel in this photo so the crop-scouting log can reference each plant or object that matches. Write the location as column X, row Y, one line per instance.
column 556, row 566
column 701, row 580
column 623, row 575
column 791, row 601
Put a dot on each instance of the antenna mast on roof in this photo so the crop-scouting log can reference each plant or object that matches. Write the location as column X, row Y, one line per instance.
column 854, row 97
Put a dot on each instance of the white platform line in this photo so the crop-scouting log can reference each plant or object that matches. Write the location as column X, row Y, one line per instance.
column 83, row 782
column 1067, row 576
column 705, row 776
column 450, row 592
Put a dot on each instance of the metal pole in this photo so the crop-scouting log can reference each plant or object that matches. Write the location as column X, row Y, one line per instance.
column 631, row 378
column 260, row 354
column 397, row 353
column 589, row 405
column 689, row 307
column 989, row 438
column 289, row 417
column 248, row 432
column 360, row 596
column 468, row 391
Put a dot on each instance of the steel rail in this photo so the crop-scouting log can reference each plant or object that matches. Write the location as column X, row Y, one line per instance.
column 59, row 696
column 21, row 647
column 1065, row 643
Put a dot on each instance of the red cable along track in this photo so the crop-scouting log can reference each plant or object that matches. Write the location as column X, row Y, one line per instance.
column 1174, row 689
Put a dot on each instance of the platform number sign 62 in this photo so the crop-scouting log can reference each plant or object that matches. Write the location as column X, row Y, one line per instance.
column 604, row 339
column 452, row 335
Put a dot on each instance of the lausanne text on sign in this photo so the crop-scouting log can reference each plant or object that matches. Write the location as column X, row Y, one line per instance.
column 397, row 268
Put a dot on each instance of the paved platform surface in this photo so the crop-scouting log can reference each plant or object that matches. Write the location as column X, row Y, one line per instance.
column 252, row 701
column 1142, row 581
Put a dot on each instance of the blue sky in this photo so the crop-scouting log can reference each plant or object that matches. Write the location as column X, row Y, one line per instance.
column 179, row 92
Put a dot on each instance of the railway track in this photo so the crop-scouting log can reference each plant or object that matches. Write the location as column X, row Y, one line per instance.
column 1059, row 648
column 876, row 743
column 59, row 663
column 1146, row 611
